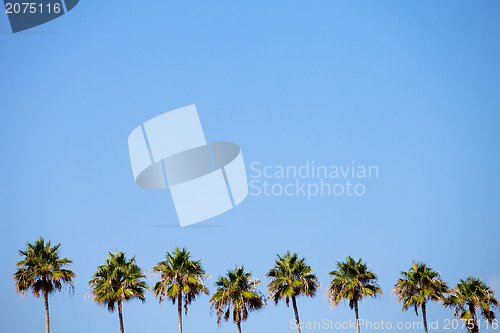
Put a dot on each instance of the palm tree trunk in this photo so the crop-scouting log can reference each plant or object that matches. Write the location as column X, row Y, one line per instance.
column 179, row 310
column 424, row 315
column 357, row 315
column 120, row 316
column 239, row 326
column 475, row 327
column 46, row 304
column 297, row 321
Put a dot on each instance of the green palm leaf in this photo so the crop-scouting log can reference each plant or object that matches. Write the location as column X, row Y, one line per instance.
column 41, row 271
column 181, row 280
column 117, row 281
column 469, row 296
column 352, row 281
column 417, row 286
column 236, row 291
column 290, row 278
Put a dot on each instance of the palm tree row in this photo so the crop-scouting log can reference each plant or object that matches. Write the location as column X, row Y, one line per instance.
column 182, row 279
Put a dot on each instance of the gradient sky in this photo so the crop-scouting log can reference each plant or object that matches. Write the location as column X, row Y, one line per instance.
column 410, row 86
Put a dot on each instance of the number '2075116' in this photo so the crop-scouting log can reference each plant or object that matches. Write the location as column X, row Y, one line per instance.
column 32, row 8
column 469, row 324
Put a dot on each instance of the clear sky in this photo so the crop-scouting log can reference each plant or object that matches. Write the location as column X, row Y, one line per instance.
column 412, row 87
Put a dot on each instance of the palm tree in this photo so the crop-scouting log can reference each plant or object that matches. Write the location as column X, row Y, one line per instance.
column 291, row 277
column 237, row 290
column 41, row 271
column 181, row 280
column 352, row 281
column 117, row 281
column 468, row 296
column 419, row 285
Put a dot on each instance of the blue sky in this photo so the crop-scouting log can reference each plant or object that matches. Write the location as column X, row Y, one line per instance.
column 409, row 86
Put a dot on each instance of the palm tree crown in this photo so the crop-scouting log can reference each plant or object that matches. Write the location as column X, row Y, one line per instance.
column 41, row 271
column 419, row 285
column 181, row 280
column 290, row 278
column 117, row 281
column 352, row 281
column 237, row 291
column 468, row 296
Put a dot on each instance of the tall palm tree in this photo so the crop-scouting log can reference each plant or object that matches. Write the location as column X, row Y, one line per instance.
column 181, row 280
column 117, row 281
column 419, row 285
column 237, row 291
column 41, row 270
column 471, row 295
column 291, row 277
column 352, row 281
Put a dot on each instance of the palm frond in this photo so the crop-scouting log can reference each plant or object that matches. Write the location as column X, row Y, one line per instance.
column 118, row 280
column 236, row 293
